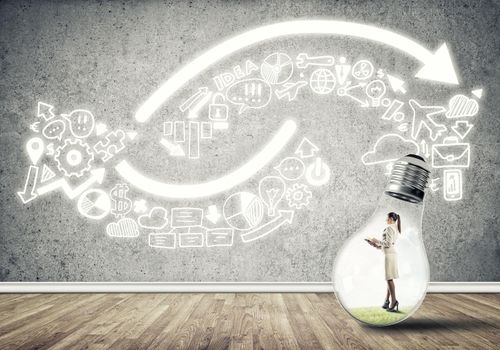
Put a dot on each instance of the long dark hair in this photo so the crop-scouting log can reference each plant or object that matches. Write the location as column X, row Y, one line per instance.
column 394, row 216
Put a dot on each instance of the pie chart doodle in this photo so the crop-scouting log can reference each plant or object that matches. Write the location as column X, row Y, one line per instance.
column 94, row 204
column 277, row 68
column 243, row 210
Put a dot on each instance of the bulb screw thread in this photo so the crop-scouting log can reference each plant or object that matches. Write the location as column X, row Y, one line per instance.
column 408, row 179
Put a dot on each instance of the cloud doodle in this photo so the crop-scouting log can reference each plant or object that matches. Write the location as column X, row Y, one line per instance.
column 389, row 148
column 156, row 219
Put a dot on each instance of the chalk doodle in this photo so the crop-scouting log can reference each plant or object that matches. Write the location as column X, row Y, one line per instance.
column 72, row 152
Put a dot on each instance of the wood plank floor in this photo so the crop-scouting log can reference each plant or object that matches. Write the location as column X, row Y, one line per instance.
column 237, row 321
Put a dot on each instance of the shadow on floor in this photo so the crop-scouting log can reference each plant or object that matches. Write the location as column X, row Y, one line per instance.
column 433, row 325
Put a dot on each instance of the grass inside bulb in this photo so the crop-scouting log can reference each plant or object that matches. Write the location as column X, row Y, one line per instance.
column 378, row 254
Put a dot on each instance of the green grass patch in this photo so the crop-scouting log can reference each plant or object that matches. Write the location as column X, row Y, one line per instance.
column 377, row 316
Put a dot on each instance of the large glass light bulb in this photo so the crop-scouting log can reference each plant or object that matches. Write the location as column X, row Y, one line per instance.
column 378, row 255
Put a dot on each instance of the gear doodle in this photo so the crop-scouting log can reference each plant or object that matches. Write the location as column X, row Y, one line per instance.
column 298, row 196
column 73, row 158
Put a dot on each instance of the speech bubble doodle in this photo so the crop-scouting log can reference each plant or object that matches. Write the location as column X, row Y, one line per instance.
column 54, row 130
column 291, row 168
column 81, row 122
column 249, row 93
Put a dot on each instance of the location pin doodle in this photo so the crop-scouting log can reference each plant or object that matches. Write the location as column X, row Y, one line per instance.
column 35, row 149
column 121, row 204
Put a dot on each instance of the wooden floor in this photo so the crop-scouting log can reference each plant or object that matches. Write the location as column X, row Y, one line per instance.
column 237, row 321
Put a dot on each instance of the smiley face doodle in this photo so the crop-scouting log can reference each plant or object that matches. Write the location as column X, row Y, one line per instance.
column 247, row 213
column 81, row 122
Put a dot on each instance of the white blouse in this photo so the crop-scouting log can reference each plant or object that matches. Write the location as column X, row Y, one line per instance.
column 389, row 238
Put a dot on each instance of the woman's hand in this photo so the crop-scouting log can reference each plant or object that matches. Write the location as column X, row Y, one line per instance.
column 373, row 244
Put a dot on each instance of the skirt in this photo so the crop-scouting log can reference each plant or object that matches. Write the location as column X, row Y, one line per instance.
column 391, row 266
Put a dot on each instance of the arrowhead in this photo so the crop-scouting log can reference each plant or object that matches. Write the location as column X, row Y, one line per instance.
column 177, row 151
column 213, row 218
column 478, row 93
column 98, row 174
column 306, row 148
column 396, row 83
column 131, row 135
column 45, row 111
column 287, row 215
column 100, row 129
column 439, row 67
column 26, row 197
column 462, row 128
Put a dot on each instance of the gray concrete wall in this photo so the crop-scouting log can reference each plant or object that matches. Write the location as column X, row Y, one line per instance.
column 109, row 57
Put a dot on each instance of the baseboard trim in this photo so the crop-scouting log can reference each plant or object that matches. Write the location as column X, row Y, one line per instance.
column 218, row 287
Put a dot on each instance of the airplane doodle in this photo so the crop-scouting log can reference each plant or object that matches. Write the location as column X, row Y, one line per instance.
column 77, row 152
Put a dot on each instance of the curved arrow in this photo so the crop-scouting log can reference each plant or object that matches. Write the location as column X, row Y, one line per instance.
column 285, row 216
column 437, row 66
column 205, row 189
column 97, row 175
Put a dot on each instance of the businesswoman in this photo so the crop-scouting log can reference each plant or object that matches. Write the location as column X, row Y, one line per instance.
column 387, row 244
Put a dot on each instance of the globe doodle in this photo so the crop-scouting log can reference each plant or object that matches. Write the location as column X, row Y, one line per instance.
column 322, row 81
column 289, row 168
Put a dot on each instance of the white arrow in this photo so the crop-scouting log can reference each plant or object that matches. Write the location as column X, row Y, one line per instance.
column 100, row 128
column 284, row 217
column 175, row 150
column 478, row 93
column 132, row 135
column 436, row 66
column 45, row 111
column 306, row 148
column 28, row 193
column 220, row 184
column 202, row 92
column 213, row 214
column 396, row 84
column 462, row 128
column 97, row 175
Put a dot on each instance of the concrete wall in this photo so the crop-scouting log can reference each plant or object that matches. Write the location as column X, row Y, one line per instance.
column 109, row 57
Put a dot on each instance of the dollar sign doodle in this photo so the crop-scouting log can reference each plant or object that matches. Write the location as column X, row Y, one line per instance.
column 121, row 204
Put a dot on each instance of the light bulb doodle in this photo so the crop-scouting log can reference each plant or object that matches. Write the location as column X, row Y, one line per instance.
column 248, row 213
column 271, row 191
column 375, row 90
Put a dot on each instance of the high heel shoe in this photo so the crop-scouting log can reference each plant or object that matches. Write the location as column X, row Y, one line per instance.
column 394, row 308
column 386, row 304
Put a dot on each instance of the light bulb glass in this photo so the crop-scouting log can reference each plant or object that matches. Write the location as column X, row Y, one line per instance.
column 361, row 270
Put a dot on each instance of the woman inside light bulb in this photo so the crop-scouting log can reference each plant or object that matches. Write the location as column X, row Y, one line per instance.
column 387, row 244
